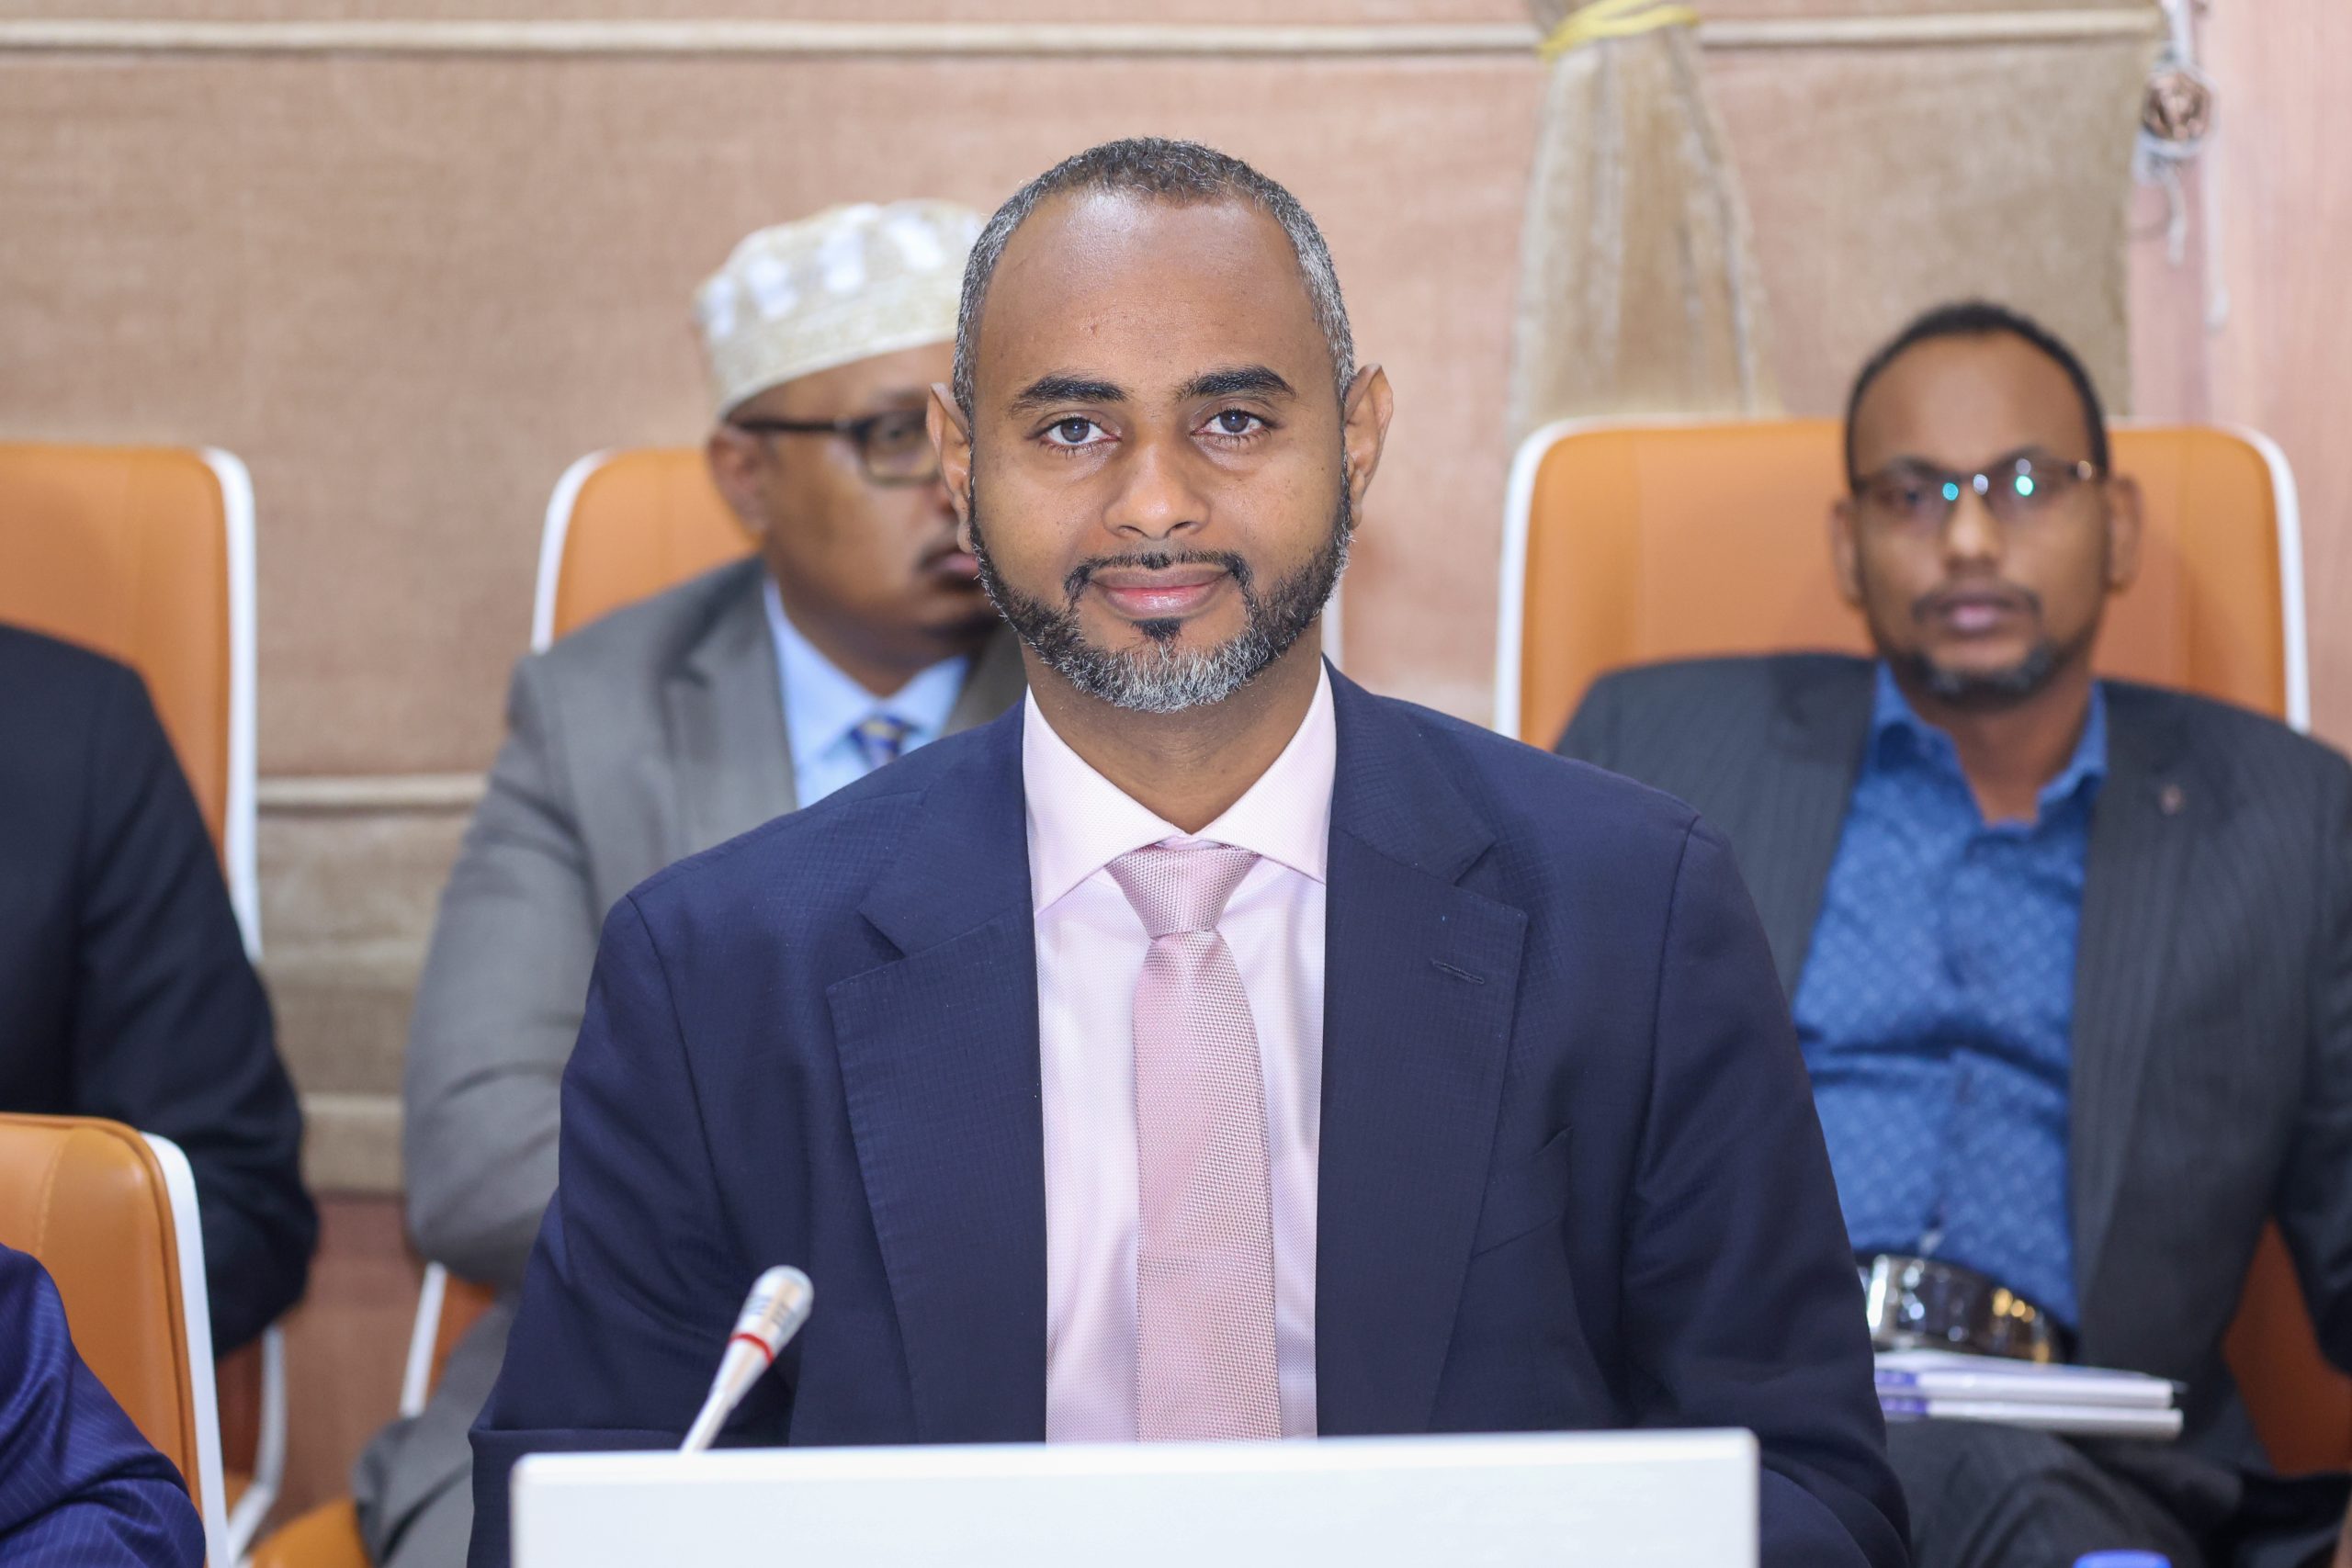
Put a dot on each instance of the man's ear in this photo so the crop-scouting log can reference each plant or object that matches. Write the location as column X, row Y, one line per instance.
column 734, row 456
column 2123, row 520
column 1363, row 416
column 951, row 438
column 1846, row 551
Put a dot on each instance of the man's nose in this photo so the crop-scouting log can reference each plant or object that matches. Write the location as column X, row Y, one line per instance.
column 1156, row 497
column 1973, row 535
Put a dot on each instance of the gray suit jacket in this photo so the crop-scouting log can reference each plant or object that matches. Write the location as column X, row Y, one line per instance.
column 654, row 734
column 2213, row 1029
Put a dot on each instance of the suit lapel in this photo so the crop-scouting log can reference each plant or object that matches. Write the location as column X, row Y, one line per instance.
column 726, row 716
column 1421, row 978
column 940, row 1070
column 2151, row 812
column 1795, row 805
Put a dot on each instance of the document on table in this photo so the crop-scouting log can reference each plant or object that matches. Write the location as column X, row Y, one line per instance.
column 1942, row 1385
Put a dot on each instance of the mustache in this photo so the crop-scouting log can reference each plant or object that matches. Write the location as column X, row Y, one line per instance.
column 1074, row 584
column 1937, row 600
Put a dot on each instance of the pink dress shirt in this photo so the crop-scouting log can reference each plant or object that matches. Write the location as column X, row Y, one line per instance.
column 1090, row 948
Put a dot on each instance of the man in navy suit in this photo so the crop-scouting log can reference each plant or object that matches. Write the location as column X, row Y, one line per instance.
column 1208, row 1049
column 77, row 1482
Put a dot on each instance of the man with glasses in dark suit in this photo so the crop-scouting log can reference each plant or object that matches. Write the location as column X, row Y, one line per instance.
column 2070, row 959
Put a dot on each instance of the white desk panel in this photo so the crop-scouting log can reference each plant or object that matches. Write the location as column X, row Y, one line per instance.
column 1586, row 1500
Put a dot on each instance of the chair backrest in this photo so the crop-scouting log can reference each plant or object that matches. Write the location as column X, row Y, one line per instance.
column 624, row 526
column 1626, row 543
column 111, row 1215
column 145, row 554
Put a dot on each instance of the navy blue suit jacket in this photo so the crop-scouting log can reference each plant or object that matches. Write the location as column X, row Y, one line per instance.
column 125, row 991
column 1570, row 1173
column 77, row 1483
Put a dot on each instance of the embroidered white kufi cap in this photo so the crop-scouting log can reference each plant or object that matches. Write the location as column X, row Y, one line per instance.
column 846, row 283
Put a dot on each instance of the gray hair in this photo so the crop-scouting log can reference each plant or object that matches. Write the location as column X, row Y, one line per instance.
column 1181, row 172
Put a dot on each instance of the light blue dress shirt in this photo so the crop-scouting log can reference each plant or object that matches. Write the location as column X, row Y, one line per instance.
column 824, row 708
column 1937, row 1008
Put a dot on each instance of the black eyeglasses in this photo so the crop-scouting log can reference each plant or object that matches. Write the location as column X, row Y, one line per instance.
column 893, row 447
column 2021, row 490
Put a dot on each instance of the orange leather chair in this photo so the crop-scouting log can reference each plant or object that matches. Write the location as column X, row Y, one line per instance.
column 1627, row 543
column 146, row 554
column 623, row 525
column 111, row 1215
column 1624, row 544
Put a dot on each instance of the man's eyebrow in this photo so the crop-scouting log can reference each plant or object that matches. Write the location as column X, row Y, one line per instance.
column 1243, row 381
column 2010, row 458
column 1065, row 389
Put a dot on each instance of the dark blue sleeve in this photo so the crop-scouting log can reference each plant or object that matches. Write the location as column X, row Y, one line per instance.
column 633, row 1284
column 1741, row 1299
column 172, row 1031
column 77, row 1483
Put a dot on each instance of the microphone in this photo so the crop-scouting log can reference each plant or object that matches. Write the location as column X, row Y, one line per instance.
column 772, row 1315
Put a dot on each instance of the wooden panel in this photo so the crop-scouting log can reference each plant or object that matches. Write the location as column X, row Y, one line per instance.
column 2285, row 223
column 410, row 290
column 345, row 1346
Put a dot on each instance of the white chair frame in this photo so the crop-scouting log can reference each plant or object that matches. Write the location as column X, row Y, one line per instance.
column 416, row 1373
column 1519, row 498
column 237, row 837
column 196, row 1324
column 240, row 864
column 553, row 533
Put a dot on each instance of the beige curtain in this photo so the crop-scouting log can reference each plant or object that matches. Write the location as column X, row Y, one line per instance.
column 1638, row 288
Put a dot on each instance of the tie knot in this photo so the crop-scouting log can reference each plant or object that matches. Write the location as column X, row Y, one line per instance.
column 881, row 738
column 1183, row 888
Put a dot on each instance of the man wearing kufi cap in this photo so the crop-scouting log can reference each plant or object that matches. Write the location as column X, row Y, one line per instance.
column 857, row 632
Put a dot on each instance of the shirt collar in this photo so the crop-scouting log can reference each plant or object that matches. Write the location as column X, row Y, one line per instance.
column 1891, row 713
column 1080, row 821
column 821, row 704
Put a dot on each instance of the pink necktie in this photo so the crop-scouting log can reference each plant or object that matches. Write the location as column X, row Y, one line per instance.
column 1205, row 1254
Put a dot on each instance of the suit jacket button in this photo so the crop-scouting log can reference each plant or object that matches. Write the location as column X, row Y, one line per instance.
column 2170, row 799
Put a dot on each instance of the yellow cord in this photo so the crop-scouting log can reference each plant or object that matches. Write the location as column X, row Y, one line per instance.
column 1613, row 18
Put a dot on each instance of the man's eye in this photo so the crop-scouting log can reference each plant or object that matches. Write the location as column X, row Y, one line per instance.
column 1233, row 422
column 1070, row 432
column 2029, row 483
column 899, row 430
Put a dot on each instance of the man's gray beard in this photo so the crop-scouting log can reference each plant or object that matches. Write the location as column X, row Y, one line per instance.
column 1161, row 677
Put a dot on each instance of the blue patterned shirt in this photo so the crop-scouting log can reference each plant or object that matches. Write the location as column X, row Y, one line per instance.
column 1937, row 1004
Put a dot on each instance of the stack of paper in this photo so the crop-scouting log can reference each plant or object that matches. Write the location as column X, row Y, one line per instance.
column 1942, row 1385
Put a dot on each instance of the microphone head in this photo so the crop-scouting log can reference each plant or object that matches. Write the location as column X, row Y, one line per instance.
column 775, row 1309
